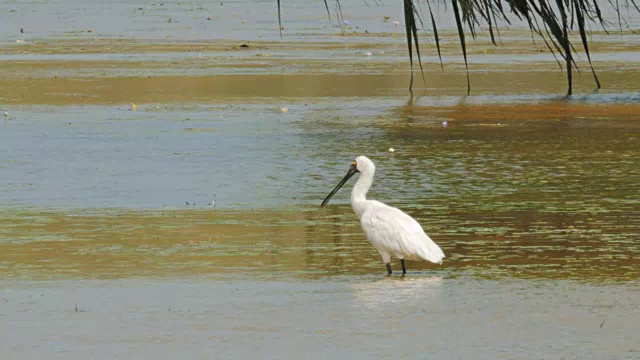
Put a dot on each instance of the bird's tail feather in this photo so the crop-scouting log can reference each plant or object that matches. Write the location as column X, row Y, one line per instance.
column 433, row 253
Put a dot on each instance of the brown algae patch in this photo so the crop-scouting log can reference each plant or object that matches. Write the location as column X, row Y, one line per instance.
column 241, row 87
column 535, row 115
column 99, row 71
column 512, row 41
column 309, row 242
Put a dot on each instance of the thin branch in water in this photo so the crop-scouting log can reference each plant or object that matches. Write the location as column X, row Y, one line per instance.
column 435, row 35
column 408, row 15
column 456, row 13
column 619, row 20
column 488, row 20
column 279, row 20
column 495, row 21
column 579, row 4
column 339, row 7
column 599, row 15
column 414, row 29
column 565, row 44
column 339, row 15
column 557, row 19
column 544, row 38
column 326, row 5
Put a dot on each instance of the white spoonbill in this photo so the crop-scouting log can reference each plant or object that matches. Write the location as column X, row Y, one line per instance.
column 391, row 231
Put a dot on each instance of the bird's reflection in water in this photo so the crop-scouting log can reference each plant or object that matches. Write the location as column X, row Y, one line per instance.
column 405, row 291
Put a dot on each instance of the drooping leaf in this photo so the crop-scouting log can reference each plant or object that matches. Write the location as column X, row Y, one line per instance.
column 435, row 35
column 411, row 30
column 564, row 41
column 580, row 6
column 551, row 20
column 408, row 15
column 279, row 19
column 456, row 13
column 487, row 16
column 339, row 14
column 414, row 29
column 326, row 6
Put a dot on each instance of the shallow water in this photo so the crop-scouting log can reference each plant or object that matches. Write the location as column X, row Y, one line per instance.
column 111, row 246
column 306, row 242
column 575, row 156
column 355, row 316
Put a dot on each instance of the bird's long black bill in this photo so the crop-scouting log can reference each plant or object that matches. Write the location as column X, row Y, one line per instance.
column 350, row 173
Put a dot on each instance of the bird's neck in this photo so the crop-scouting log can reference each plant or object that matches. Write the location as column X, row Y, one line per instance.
column 359, row 193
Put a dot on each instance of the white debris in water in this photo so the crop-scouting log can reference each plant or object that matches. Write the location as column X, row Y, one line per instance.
column 392, row 150
column 368, row 53
column 444, row 123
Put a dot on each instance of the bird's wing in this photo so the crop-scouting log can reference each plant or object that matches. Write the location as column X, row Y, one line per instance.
column 391, row 230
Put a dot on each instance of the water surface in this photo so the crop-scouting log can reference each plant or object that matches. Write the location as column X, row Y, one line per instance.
column 356, row 316
column 157, row 200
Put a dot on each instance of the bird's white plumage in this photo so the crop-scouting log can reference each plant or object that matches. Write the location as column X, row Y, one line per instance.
column 394, row 233
column 391, row 231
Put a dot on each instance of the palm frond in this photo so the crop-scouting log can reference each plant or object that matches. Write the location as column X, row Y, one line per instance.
column 279, row 19
column 487, row 17
column 580, row 5
column 551, row 20
column 435, row 35
column 463, row 44
column 326, row 6
column 412, row 37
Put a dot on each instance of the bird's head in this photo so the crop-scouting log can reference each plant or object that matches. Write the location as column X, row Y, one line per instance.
column 361, row 164
column 364, row 165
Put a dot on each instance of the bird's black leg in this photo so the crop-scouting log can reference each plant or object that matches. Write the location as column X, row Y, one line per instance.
column 389, row 268
column 404, row 269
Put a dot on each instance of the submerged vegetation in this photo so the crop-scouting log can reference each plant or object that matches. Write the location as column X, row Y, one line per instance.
column 553, row 21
